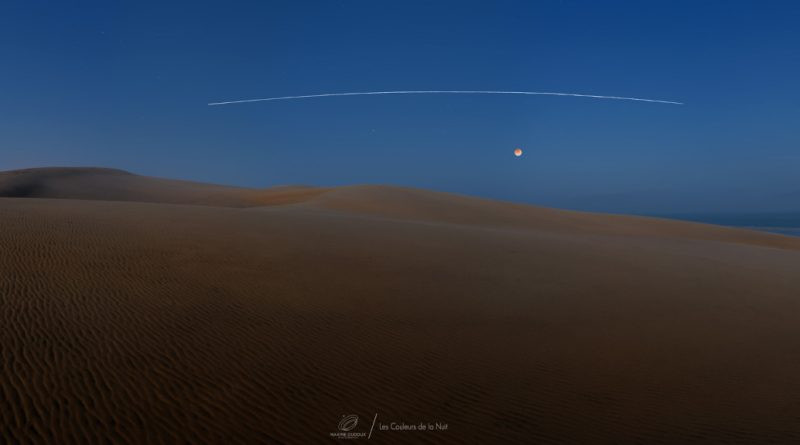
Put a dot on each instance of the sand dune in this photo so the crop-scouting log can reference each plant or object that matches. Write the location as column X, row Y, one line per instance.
column 264, row 316
column 118, row 185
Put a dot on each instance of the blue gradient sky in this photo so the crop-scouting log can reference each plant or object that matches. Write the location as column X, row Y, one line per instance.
column 125, row 84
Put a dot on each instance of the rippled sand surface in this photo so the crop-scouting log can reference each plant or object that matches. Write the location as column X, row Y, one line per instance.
column 265, row 316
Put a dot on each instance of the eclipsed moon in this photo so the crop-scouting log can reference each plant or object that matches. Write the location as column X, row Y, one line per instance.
column 518, row 152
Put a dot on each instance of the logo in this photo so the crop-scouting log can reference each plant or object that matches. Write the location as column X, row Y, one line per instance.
column 348, row 428
column 348, row 423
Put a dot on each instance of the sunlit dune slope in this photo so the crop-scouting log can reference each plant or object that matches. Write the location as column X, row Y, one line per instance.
column 254, row 319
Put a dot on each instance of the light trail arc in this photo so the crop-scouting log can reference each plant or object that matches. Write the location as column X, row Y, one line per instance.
column 377, row 93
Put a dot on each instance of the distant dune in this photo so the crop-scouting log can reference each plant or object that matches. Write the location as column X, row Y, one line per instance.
column 117, row 185
column 147, row 310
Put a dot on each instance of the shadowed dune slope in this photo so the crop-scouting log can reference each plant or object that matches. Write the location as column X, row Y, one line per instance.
column 135, row 322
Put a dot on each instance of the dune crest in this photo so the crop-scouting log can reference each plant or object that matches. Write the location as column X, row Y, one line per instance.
column 404, row 203
column 103, row 184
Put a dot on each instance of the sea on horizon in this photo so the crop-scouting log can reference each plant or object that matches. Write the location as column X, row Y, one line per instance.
column 781, row 223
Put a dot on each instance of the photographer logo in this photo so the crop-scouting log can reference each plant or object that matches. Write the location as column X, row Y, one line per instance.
column 346, row 427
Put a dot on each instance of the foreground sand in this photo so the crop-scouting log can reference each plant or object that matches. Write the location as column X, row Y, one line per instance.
column 265, row 316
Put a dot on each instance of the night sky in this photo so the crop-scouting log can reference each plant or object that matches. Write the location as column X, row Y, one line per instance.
column 125, row 85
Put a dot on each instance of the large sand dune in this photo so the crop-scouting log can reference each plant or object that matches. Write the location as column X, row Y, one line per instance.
column 144, row 310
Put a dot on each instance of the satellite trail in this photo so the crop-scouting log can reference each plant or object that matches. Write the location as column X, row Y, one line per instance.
column 375, row 93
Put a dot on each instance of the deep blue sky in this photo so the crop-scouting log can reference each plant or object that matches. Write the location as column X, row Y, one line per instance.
column 125, row 84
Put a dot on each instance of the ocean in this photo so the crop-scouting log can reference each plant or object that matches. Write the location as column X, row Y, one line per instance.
column 783, row 223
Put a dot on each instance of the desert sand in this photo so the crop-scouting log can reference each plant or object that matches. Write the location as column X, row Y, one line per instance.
column 145, row 310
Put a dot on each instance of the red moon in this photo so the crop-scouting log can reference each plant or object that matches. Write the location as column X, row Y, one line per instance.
column 518, row 152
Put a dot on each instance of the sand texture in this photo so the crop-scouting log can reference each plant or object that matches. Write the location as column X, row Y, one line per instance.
column 144, row 310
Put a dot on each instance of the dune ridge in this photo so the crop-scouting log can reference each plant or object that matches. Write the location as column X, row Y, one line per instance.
column 93, row 183
column 145, row 310
column 96, row 183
